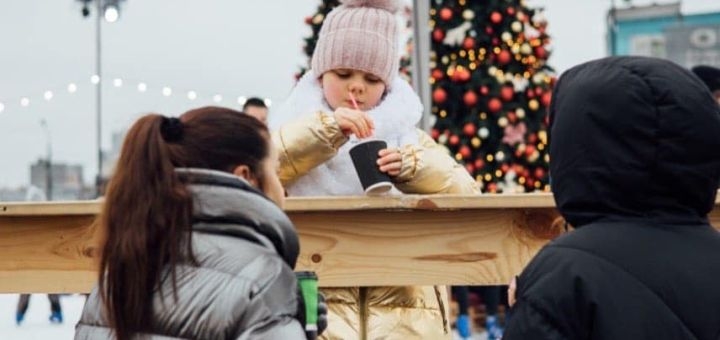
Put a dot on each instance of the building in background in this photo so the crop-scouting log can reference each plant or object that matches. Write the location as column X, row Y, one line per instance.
column 65, row 182
column 663, row 31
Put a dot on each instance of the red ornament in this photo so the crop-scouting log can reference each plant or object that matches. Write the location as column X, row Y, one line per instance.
column 465, row 151
column 461, row 75
column 546, row 98
column 454, row 140
column 504, row 57
column 469, row 129
column 510, row 11
column 496, row 42
column 496, row 17
column 539, row 173
column 529, row 150
column 494, row 105
column 434, row 133
column 539, row 91
column 437, row 74
column 446, row 14
column 532, row 138
column 469, row 43
column 489, row 30
column 484, row 90
column 512, row 117
column 530, row 183
column 438, row 35
column 470, row 98
column 308, row 20
column 505, row 167
column 530, row 93
column 479, row 163
column 439, row 95
column 470, row 168
column 540, row 52
column 507, row 93
column 492, row 187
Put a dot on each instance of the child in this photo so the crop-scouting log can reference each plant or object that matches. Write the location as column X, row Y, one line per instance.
column 352, row 91
column 197, row 246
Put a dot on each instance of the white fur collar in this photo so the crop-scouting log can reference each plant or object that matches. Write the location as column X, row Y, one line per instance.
column 395, row 119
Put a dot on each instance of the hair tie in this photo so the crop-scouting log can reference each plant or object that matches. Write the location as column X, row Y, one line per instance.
column 171, row 129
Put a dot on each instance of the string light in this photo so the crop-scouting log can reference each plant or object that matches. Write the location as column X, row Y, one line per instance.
column 95, row 79
column 192, row 95
column 241, row 100
column 217, row 98
column 166, row 91
column 24, row 102
column 2, row 107
column 117, row 82
column 72, row 88
column 48, row 95
column 142, row 87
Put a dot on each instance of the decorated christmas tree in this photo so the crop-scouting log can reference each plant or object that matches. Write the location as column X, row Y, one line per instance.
column 490, row 90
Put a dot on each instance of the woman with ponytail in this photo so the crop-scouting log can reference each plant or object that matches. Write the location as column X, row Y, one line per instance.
column 197, row 246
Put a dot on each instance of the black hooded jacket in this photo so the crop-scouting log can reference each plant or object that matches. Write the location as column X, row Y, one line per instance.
column 635, row 162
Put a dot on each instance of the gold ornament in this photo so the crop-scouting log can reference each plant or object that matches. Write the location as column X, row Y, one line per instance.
column 502, row 122
column 542, row 134
column 533, row 104
column 468, row 14
column 476, row 142
column 318, row 19
column 516, row 26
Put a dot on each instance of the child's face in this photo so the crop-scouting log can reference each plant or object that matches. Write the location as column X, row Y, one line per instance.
column 337, row 85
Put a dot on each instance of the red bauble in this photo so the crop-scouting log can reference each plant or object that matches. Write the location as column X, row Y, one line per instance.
column 506, row 93
column 461, row 75
column 539, row 91
column 469, row 129
column 479, row 163
column 539, row 173
column 439, row 95
column 465, row 151
column 469, row 43
column 489, row 30
column 484, row 90
column 494, row 105
column 438, row 35
column 435, row 133
column 492, row 187
column 437, row 74
column 446, row 14
column 496, row 17
column 529, row 150
column 546, row 98
column 504, row 57
column 510, row 11
column 496, row 42
column 505, row 167
column 512, row 117
column 530, row 183
column 470, row 168
column 540, row 52
column 470, row 98
column 454, row 140
column 530, row 93
column 532, row 138
column 308, row 20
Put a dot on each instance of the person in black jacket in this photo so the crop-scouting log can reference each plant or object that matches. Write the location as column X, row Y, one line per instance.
column 711, row 77
column 635, row 161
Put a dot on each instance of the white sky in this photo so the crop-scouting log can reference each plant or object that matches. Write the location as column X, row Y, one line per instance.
column 227, row 47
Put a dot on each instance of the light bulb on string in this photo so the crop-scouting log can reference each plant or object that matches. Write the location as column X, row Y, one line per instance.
column 72, row 88
column 267, row 102
column 166, row 91
column 117, row 82
column 95, row 79
column 24, row 101
column 142, row 87
column 2, row 107
column 192, row 95
column 241, row 100
column 217, row 98
column 48, row 95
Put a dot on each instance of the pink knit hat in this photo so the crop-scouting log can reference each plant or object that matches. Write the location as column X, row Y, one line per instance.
column 359, row 35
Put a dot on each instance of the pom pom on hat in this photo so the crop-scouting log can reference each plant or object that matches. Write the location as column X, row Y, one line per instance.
column 391, row 6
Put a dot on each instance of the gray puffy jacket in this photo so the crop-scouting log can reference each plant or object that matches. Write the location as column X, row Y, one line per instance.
column 243, row 286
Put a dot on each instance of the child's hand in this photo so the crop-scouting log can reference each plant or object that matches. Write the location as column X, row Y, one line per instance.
column 354, row 122
column 390, row 161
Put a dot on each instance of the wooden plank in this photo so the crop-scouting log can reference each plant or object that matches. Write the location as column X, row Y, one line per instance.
column 349, row 241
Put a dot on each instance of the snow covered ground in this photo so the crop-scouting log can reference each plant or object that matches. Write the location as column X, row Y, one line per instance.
column 36, row 325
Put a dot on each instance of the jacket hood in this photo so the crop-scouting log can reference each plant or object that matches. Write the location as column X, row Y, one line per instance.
column 227, row 204
column 633, row 138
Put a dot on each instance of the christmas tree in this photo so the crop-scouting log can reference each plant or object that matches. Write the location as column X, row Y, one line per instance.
column 490, row 90
column 315, row 22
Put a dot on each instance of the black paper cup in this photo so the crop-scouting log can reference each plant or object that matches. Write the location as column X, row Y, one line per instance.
column 364, row 156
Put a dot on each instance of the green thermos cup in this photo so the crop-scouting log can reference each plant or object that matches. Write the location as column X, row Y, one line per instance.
column 308, row 283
